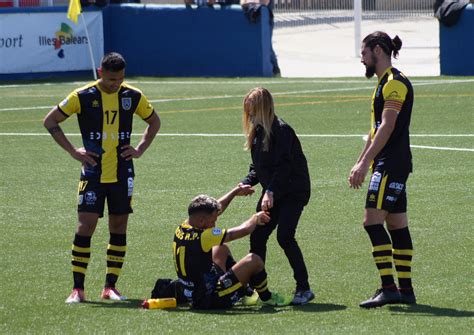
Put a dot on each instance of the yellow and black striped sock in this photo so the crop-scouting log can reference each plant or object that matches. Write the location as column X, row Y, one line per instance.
column 259, row 283
column 382, row 253
column 402, row 256
column 81, row 254
column 115, row 258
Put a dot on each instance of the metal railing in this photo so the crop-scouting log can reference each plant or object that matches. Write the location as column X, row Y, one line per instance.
column 293, row 13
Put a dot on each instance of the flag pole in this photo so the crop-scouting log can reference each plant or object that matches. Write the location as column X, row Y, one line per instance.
column 90, row 46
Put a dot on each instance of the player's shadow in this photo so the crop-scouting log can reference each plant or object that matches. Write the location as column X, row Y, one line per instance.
column 129, row 303
column 428, row 310
column 320, row 308
column 136, row 304
column 237, row 309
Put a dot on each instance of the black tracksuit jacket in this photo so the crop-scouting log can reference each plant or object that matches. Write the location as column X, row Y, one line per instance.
column 282, row 169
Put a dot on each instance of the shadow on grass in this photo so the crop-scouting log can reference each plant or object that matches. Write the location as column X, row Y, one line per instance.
column 428, row 310
column 237, row 309
column 129, row 303
column 320, row 308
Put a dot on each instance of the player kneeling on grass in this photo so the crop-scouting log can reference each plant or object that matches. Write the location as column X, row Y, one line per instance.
column 209, row 275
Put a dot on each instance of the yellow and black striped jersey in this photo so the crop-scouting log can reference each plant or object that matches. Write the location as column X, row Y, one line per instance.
column 394, row 89
column 105, row 121
column 192, row 252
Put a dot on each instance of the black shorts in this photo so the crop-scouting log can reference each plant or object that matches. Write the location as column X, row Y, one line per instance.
column 222, row 290
column 387, row 191
column 91, row 195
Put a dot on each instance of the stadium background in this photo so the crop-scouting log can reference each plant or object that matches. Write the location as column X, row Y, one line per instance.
column 305, row 29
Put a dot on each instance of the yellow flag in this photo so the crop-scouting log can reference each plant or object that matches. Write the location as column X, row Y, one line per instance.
column 74, row 10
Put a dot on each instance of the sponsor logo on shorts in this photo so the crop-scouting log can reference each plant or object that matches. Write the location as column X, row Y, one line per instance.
column 90, row 198
column 80, row 199
column 375, row 181
column 396, row 186
column 226, row 283
column 390, row 198
column 188, row 293
column 130, row 186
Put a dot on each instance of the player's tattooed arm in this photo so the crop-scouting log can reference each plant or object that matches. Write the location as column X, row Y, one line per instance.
column 54, row 129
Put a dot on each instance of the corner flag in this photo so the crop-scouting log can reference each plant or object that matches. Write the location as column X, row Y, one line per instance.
column 74, row 10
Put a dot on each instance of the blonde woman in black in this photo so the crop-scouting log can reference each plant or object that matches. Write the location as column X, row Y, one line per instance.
column 280, row 167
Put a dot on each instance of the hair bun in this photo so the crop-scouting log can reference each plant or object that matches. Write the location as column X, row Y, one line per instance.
column 397, row 43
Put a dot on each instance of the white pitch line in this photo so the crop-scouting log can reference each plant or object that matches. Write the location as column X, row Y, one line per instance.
column 184, row 135
column 441, row 135
column 299, row 135
column 243, row 82
column 441, row 148
column 204, row 82
column 24, row 108
column 241, row 135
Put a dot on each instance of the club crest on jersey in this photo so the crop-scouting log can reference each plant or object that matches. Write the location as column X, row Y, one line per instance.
column 126, row 103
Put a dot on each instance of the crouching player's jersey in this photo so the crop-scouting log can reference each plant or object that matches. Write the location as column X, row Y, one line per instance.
column 192, row 253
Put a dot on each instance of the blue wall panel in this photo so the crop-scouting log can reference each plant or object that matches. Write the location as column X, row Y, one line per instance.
column 457, row 46
column 176, row 41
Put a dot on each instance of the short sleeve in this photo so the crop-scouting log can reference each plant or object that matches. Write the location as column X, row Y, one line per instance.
column 212, row 237
column 71, row 104
column 144, row 108
column 395, row 90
